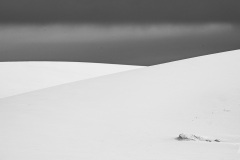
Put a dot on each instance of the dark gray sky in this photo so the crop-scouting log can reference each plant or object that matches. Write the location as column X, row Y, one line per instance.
column 133, row 45
column 135, row 32
column 119, row 11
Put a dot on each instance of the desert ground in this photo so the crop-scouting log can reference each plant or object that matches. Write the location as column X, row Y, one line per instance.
column 132, row 115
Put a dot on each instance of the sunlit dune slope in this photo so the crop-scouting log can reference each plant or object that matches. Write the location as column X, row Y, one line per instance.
column 134, row 115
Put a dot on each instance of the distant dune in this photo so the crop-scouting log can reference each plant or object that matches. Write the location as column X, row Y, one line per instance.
column 133, row 115
column 21, row 77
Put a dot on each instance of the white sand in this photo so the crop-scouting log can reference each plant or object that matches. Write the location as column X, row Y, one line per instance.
column 133, row 115
column 21, row 77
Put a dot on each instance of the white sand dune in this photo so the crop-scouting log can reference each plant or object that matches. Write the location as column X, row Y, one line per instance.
column 133, row 115
column 20, row 77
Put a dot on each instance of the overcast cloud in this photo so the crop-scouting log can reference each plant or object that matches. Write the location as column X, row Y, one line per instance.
column 117, row 44
column 140, row 32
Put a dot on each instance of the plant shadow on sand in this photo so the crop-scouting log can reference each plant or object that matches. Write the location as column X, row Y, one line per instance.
column 192, row 137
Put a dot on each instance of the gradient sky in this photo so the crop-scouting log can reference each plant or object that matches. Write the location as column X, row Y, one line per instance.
column 133, row 32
